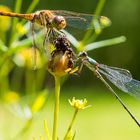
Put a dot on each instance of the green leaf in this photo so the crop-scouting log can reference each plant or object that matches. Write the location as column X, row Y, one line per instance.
column 3, row 48
column 15, row 20
column 32, row 6
column 104, row 43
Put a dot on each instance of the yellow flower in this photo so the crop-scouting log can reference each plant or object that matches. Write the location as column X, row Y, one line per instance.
column 78, row 104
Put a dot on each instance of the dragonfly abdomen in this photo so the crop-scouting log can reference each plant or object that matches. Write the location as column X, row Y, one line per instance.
column 24, row 16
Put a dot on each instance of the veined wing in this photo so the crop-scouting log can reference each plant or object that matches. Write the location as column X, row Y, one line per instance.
column 133, row 87
column 122, row 79
column 81, row 20
column 117, row 73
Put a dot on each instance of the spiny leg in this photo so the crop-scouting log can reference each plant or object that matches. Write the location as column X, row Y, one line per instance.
column 46, row 43
column 33, row 46
column 77, row 70
column 73, row 71
column 46, row 38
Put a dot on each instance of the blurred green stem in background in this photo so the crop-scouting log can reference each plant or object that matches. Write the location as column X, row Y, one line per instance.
column 99, row 7
column 90, row 35
column 31, row 8
column 56, row 108
column 47, row 130
column 15, row 21
column 24, row 129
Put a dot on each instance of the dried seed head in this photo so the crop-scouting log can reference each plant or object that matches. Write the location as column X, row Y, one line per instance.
column 61, row 61
column 62, row 43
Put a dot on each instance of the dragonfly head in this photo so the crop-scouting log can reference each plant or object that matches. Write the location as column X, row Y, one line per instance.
column 82, row 55
column 59, row 22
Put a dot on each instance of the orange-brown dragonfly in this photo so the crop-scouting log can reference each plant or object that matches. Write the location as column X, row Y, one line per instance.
column 54, row 21
column 59, row 18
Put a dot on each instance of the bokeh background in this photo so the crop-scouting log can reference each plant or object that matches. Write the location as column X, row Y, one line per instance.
column 106, row 119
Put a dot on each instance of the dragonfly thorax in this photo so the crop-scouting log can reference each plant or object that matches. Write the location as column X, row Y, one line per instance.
column 43, row 17
column 48, row 19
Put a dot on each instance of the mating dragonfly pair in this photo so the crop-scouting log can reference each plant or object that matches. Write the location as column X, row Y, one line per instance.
column 53, row 22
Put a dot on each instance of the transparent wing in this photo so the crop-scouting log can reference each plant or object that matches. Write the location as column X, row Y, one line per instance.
column 117, row 73
column 133, row 87
column 79, row 20
column 122, row 79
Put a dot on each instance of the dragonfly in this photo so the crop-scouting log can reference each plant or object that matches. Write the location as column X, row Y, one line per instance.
column 59, row 19
column 121, row 78
column 53, row 21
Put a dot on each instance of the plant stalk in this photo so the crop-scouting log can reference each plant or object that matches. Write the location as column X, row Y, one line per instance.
column 71, row 124
column 56, row 108
column 90, row 35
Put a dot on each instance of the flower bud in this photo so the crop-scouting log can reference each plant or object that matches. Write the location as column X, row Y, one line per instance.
column 78, row 104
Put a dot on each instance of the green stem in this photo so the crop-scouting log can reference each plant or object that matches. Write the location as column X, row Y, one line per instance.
column 56, row 108
column 15, row 20
column 99, row 7
column 32, row 6
column 47, row 130
column 90, row 35
column 30, row 9
column 71, row 124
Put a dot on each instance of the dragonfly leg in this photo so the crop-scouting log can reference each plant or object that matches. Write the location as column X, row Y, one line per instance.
column 50, row 36
column 117, row 97
column 74, row 71
column 62, row 33
column 46, row 38
column 33, row 46
column 77, row 70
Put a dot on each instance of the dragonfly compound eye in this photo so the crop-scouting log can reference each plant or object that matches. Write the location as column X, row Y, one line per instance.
column 59, row 22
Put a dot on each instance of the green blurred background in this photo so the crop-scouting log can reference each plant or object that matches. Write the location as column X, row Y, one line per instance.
column 106, row 119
